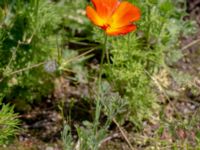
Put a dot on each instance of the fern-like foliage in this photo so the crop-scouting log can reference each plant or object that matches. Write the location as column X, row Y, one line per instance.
column 138, row 56
column 8, row 123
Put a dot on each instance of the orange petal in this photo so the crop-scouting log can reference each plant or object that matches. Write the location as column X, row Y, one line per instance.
column 105, row 8
column 93, row 16
column 121, row 30
column 125, row 14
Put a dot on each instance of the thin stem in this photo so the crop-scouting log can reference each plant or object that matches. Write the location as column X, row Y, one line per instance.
column 191, row 44
column 123, row 134
column 24, row 69
column 102, row 58
column 106, row 49
column 98, row 104
column 77, row 57
column 59, row 51
column 128, row 42
column 13, row 57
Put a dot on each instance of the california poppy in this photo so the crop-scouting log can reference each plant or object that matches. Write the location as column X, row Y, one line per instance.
column 113, row 16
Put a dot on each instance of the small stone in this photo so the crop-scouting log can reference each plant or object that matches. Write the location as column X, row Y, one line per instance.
column 49, row 148
column 192, row 107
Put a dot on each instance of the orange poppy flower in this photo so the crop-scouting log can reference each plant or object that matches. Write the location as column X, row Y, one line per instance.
column 113, row 16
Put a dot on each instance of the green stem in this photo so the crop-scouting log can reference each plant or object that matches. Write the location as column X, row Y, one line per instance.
column 105, row 51
column 59, row 55
column 128, row 42
column 98, row 104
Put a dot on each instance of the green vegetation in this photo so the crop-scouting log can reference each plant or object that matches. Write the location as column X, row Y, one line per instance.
column 139, row 56
column 8, row 123
column 44, row 41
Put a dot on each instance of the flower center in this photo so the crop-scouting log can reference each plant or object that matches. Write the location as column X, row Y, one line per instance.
column 105, row 26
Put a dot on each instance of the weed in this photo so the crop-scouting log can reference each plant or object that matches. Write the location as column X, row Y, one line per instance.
column 8, row 122
column 138, row 56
